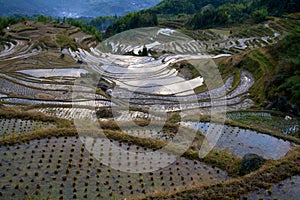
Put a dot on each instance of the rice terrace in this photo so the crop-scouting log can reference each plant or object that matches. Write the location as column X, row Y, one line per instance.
column 166, row 110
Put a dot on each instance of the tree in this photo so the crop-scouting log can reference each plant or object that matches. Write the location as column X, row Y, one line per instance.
column 58, row 20
column 259, row 15
column 145, row 51
column 4, row 22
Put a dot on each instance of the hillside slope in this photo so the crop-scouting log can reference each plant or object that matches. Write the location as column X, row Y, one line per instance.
column 275, row 68
column 174, row 7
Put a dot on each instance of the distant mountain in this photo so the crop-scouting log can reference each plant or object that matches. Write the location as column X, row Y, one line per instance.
column 73, row 8
column 22, row 7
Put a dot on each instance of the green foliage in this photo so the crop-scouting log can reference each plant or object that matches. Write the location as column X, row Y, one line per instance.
column 289, row 48
column 259, row 15
column 103, row 22
column 250, row 163
column 291, row 88
column 252, row 66
column 175, row 7
column 4, row 22
column 227, row 14
column 45, row 19
column 287, row 79
column 279, row 7
column 131, row 21
column 212, row 13
column 211, row 17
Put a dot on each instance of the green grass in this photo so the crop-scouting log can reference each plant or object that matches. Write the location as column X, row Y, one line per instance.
column 264, row 60
column 275, row 123
column 249, row 62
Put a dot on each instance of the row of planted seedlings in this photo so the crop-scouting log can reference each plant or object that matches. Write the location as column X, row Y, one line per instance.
column 238, row 115
column 62, row 167
column 17, row 122
column 19, row 126
column 111, row 153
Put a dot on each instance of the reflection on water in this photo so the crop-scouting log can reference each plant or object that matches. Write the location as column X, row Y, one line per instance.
column 70, row 72
column 239, row 141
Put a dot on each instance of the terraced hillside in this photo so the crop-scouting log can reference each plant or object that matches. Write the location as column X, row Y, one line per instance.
column 82, row 120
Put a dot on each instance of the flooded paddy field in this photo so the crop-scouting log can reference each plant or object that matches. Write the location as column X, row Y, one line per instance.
column 140, row 103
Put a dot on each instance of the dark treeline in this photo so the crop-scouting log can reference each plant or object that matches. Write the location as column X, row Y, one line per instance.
column 237, row 13
column 280, row 7
column 175, row 7
column 228, row 14
column 210, row 13
column 199, row 14
column 206, row 13
column 103, row 22
column 132, row 20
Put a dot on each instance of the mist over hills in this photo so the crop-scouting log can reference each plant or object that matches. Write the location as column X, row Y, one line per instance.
column 73, row 8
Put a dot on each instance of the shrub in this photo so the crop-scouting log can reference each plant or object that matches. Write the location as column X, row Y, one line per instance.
column 250, row 162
